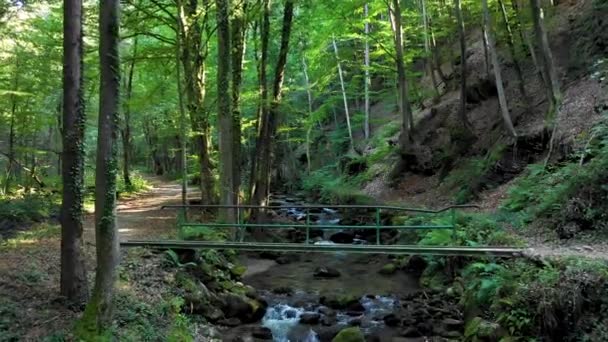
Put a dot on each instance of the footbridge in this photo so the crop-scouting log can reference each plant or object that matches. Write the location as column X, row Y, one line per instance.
column 305, row 222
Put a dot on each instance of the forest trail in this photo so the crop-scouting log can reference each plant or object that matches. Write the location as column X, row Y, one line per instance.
column 140, row 216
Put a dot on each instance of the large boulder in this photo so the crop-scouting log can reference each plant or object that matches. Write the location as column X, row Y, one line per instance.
column 326, row 272
column 248, row 310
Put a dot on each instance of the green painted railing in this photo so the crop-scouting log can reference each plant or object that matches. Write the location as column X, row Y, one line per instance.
column 308, row 225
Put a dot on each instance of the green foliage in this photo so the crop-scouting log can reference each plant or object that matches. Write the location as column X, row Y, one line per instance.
column 28, row 208
column 468, row 177
column 352, row 334
column 544, row 191
column 172, row 259
column 328, row 186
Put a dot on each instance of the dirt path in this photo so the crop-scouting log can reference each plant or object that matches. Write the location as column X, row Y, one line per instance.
column 140, row 217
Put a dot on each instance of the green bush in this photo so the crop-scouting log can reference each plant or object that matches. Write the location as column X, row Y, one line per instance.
column 328, row 186
column 29, row 208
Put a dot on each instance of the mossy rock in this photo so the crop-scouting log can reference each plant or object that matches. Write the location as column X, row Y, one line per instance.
column 339, row 301
column 388, row 269
column 238, row 271
column 352, row 334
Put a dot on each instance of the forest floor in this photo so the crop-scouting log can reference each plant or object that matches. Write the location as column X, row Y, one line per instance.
column 30, row 306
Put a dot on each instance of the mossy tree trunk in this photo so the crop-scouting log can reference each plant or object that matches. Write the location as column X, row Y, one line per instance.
column 193, row 22
column 73, row 283
column 97, row 318
column 225, row 115
column 238, row 30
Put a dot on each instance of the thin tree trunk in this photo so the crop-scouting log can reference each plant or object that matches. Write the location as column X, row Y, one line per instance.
column 367, row 81
column 428, row 61
column 511, row 44
column 126, row 132
column 502, row 99
column 405, row 109
column 10, row 170
column 225, row 115
column 183, row 133
column 350, row 130
column 73, row 283
column 97, row 319
column 486, row 54
column 310, row 123
column 463, row 69
column 526, row 44
column 553, row 89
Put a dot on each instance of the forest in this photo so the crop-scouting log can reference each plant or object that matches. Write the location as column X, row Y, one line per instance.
column 301, row 170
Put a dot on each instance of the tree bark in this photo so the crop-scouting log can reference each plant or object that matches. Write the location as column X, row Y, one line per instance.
column 405, row 109
column 525, row 42
column 511, row 43
column 126, row 131
column 463, row 69
column 73, row 283
column 502, row 99
column 192, row 25
column 348, row 126
column 262, row 121
column 225, row 115
column 549, row 70
column 97, row 318
column 310, row 123
column 238, row 49
column 367, row 80
column 268, row 124
column 183, row 128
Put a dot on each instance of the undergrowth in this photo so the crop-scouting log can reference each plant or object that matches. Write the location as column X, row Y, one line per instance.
column 573, row 195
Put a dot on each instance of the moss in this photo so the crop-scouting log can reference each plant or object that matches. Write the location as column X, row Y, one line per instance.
column 88, row 327
column 352, row 334
column 388, row 269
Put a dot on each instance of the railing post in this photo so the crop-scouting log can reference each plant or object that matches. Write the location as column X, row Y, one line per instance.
column 377, row 226
column 453, row 219
column 240, row 233
column 307, row 225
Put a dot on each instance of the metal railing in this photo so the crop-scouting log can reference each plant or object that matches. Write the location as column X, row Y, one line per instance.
column 308, row 225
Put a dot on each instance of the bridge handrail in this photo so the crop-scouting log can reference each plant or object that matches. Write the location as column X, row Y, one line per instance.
column 317, row 206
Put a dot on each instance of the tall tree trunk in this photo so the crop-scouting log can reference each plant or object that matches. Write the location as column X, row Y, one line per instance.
column 126, row 131
column 463, row 69
column 262, row 121
column 238, row 49
column 348, row 126
column 183, row 128
column 268, row 124
column 10, row 169
column 553, row 91
column 526, row 44
column 511, row 43
column 428, row 61
column 486, row 54
column 97, row 318
column 192, row 25
column 405, row 109
column 225, row 115
column 502, row 99
column 367, row 80
column 310, row 123
column 73, row 284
